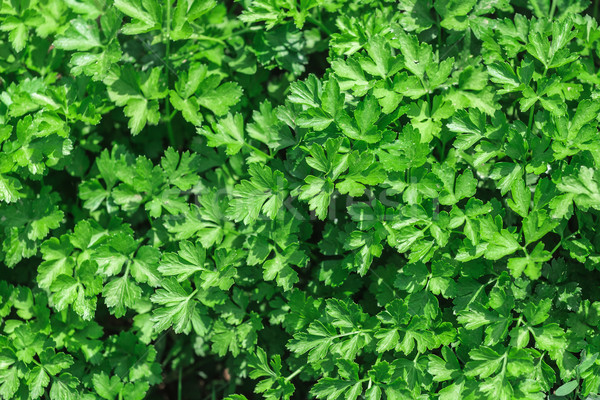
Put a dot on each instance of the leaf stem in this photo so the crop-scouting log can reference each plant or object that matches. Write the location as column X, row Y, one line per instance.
column 240, row 32
column 439, row 36
column 293, row 374
column 318, row 23
column 179, row 384
column 519, row 321
column 442, row 57
column 530, row 123
column 552, row 9
column 210, row 39
column 383, row 281
column 563, row 239
column 223, row 38
column 192, row 294
column 350, row 333
column 167, row 54
column 505, row 361
column 256, row 149
column 417, row 357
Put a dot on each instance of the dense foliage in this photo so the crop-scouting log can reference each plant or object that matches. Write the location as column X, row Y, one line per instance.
column 331, row 199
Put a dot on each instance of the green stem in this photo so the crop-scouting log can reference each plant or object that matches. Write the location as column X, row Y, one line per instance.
column 480, row 289
column 563, row 239
column 167, row 54
column 296, row 372
column 442, row 149
column 552, row 9
column 441, row 58
column 505, row 361
column 530, row 124
column 318, row 23
column 256, row 149
column 439, row 38
column 519, row 321
column 221, row 39
column 383, row 281
column 179, row 385
column 193, row 294
column 467, row 158
column 230, row 230
column 210, row 39
column 126, row 273
column 240, row 32
column 158, row 57
column 416, row 357
column 350, row 333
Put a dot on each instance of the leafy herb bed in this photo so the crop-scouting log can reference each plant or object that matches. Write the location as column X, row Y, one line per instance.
column 323, row 199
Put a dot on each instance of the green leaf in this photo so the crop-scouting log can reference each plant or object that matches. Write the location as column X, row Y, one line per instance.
column 382, row 62
column 228, row 132
column 498, row 387
column 121, row 293
column 221, row 99
column 264, row 192
column 413, row 278
column 332, row 99
column 141, row 112
column 503, row 244
column 306, row 92
column 503, row 74
column 363, row 126
column 37, row 381
column 521, row 198
column 444, row 369
column 138, row 93
column 318, row 192
column 416, row 56
column 56, row 261
column 269, row 129
column 146, row 15
column 566, row 388
column 144, row 266
column 80, row 36
column 484, row 362
column 585, row 188
column 333, row 389
column 19, row 32
column 64, row 387
column 226, row 338
column 189, row 260
column 10, row 382
column 9, row 189
column 186, row 12
column 454, row 191
column 178, row 308
column 107, row 388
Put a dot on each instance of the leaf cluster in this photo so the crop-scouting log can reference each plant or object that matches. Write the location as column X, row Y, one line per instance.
column 316, row 199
